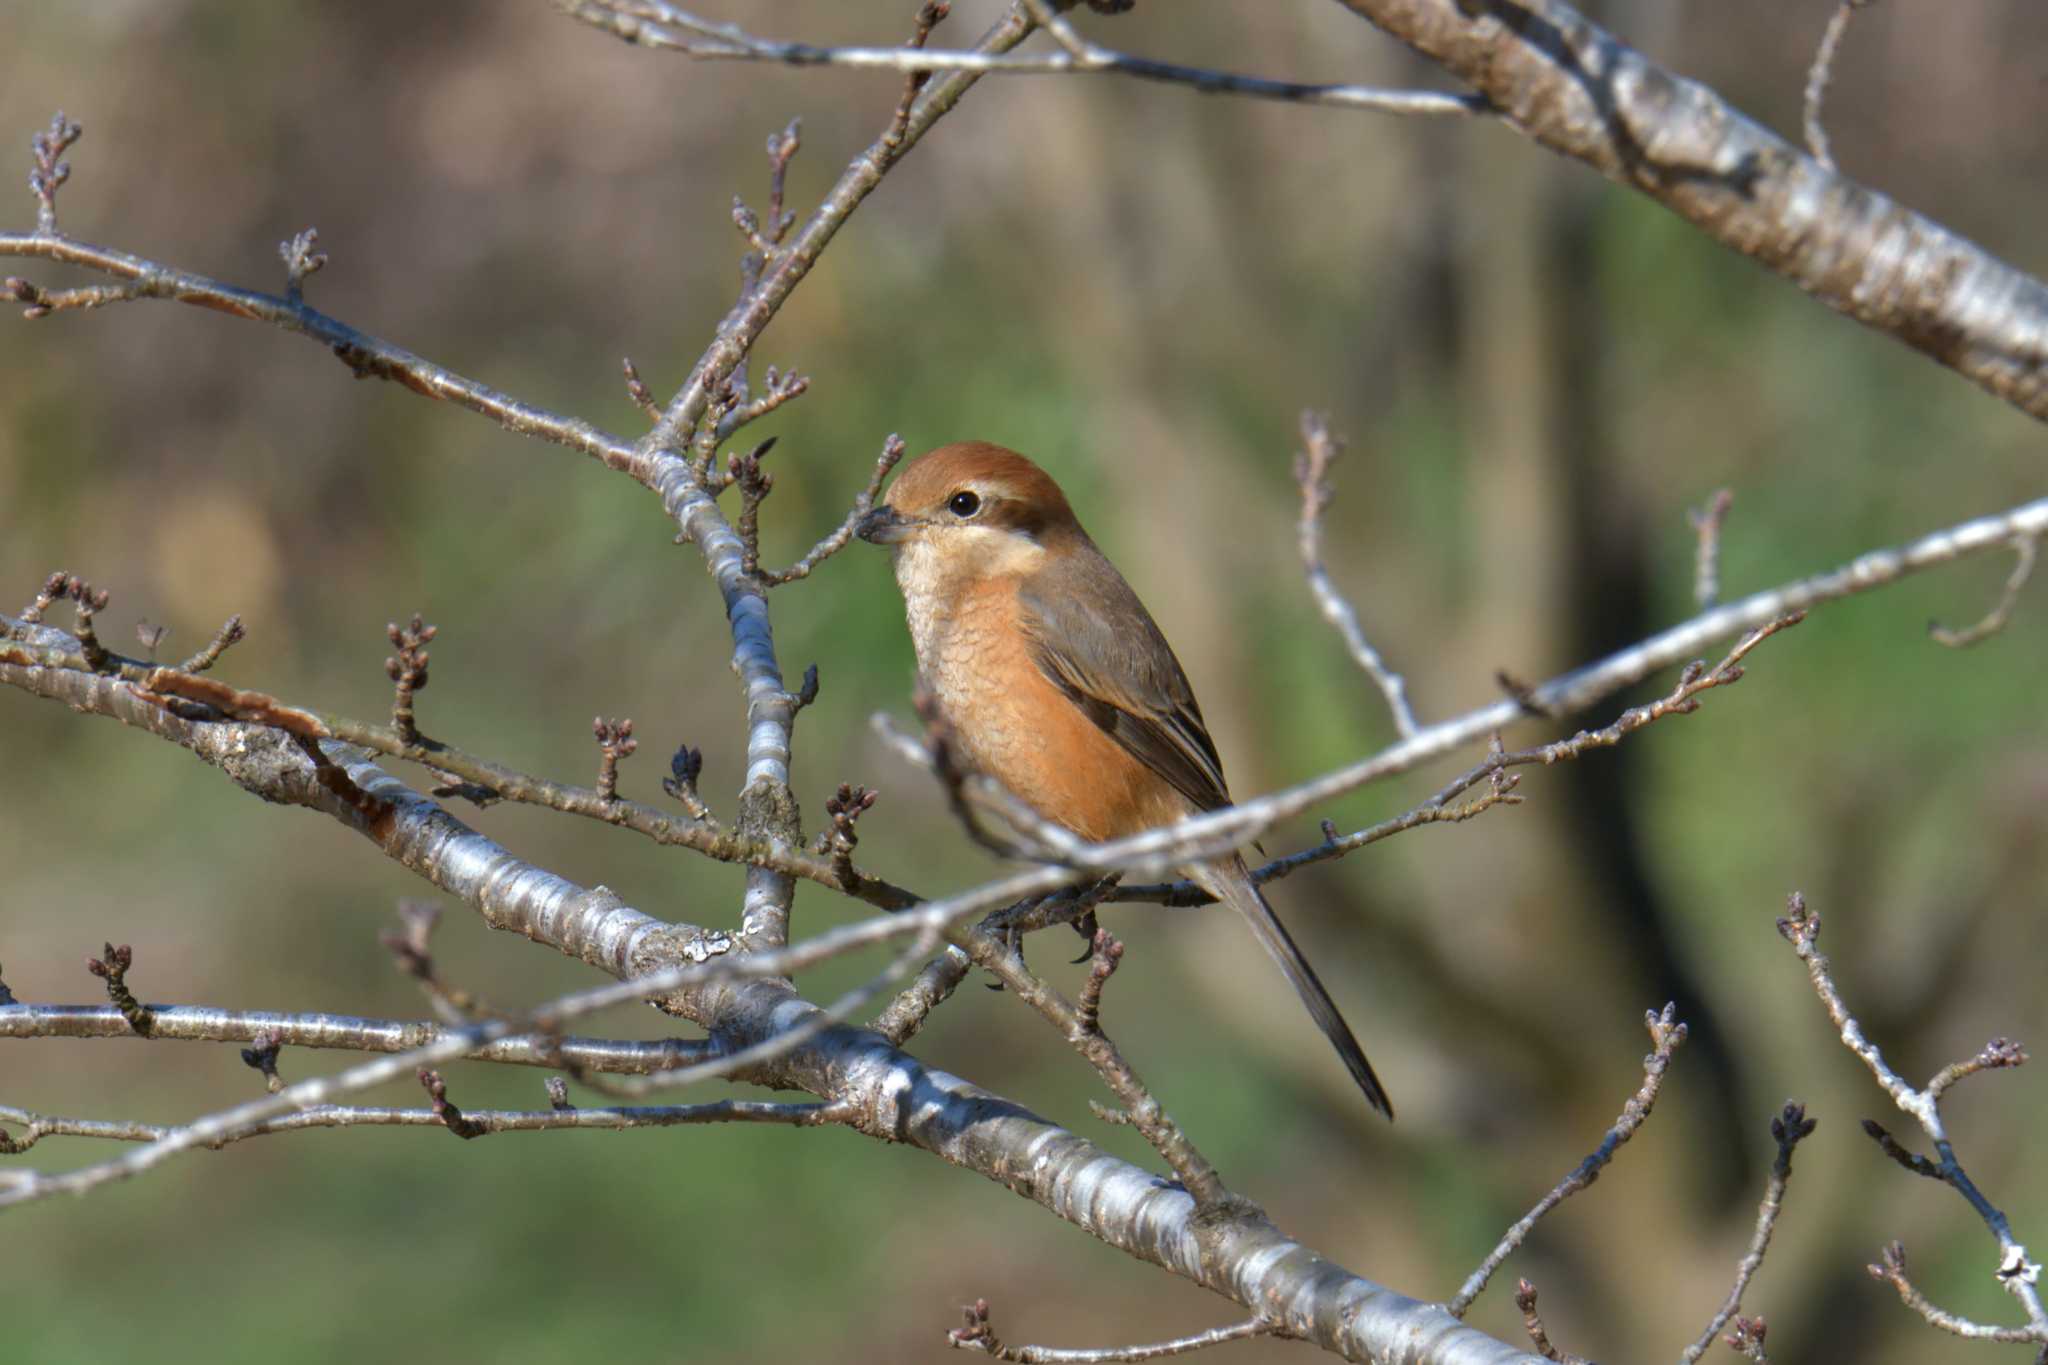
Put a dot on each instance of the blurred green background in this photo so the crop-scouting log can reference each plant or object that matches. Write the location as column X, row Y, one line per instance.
column 1141, row 287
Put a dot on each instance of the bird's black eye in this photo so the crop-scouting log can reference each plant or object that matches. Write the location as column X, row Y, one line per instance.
column 964, row 503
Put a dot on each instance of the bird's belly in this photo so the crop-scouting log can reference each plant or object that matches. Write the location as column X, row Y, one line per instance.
column 1012, row 722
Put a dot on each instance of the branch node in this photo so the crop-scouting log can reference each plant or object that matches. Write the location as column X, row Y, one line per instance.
column 637, row 390
column 87, row 601
column 1105, row 953
column 48, row 173
column 929, row 17
column 1706, row 524
column 1996, row 1054
column 1799, row 926
column 452, row 1118
column 113, row 969
column 755, row 485
column 614, row 741
column 227, row 637
column 977, row 1334
column 892, row 452
column 301, row 258
column 1818, row 76
column 2025, row 550
column 1312, row 464
column 53, row 590
column 782, row 148
column 1746, row 1337
column 1532, row 1323
column 412, row 953
column 261, row 1055
column 844, row 809
column 807, row 690
column 685, row 767
column 408, row 671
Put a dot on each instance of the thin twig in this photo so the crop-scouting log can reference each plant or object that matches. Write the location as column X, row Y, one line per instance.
column 1788, row 1130
column 1532, row 1323
column 1683, row 699
column 1319, row 450
column 1890, row 1268
column 892, row 452
column 112, row 967
column 1666, row 1033
column 1706, row 569
column 996, row 954
column 978, row 1335
column 229, row 635
column 933, row 986
column 482, row 777
column 351, row 1033
column 480, row 1121
column 2017, row 1273
column 2024, row 551
column 1818, row 76
column 648, row 23
column 20, row 1186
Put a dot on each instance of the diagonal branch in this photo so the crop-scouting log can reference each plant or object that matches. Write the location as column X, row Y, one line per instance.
column 767, row 809
column 666, row 27
column 1666, row 1033
column 1580, row 91
column 2017, row 1273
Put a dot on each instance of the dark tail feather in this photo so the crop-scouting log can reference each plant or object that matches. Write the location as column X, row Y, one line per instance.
column 1232, row 884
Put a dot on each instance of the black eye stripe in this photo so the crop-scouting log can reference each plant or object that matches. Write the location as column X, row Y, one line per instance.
column 965, row 503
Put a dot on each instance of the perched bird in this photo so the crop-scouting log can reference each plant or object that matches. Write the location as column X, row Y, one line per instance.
column 1057, row 683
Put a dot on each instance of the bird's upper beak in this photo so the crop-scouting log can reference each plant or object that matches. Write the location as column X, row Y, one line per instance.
column 884, row 525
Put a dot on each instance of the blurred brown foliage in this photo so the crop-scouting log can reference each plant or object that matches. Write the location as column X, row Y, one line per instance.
column 1538, row 372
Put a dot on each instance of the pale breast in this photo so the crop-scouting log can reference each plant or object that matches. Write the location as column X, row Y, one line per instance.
column 1013, row 723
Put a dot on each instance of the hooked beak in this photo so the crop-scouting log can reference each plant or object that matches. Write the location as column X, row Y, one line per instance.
column 883, row 525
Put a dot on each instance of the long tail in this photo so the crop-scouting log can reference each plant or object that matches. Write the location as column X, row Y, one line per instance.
column 1232, row 884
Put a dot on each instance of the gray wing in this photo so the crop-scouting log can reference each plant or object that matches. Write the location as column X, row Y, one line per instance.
column 1102, row 648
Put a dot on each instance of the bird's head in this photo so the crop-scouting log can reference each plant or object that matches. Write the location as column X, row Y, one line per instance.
column 969, row 511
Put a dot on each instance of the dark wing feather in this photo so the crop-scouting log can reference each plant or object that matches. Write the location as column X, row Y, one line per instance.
column 1094, row 639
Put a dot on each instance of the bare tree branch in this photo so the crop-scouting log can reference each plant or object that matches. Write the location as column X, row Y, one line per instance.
column 207, row 1024
column 2017, row 1273
column 1666, row 1033
column 1580, row 91
column 1319, row 450
column 2024, row 551
column 1788, row 1130
column 665, row 27
column 1818, row 76
column 978, row 1335
column 1532, row 1323
column 483, row 1121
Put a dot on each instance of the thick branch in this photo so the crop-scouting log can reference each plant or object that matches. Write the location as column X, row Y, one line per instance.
column 1578, row 90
